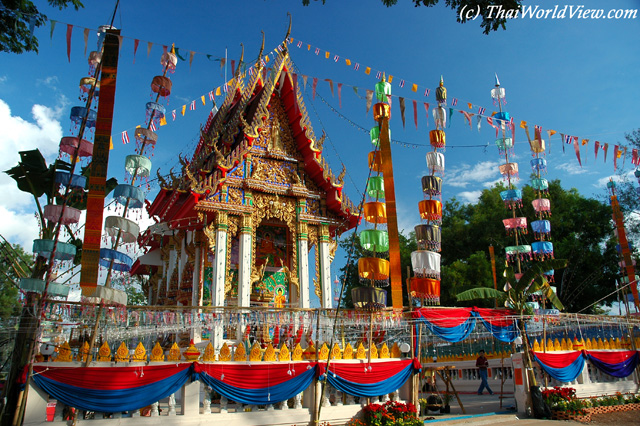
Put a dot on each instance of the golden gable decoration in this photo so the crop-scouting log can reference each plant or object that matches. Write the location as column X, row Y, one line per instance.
column 140, row 354
column 174, row 353
column 64, row 353
column 157, row 354
column 83, row 352
column 361, row 352
column 270, row 353
column 104, row 354
column 225, row 353
column 374, row 351
column 348, row 352
column 324, row 352
column 384, row 351
column 336, row 353
column 240, row 353
column 284, row 354
column 297, row 353
column 209, row 353
column 122, row 354
column 256, row 352
column 395, row 351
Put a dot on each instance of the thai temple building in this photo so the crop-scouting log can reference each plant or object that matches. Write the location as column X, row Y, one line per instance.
column 237, row 224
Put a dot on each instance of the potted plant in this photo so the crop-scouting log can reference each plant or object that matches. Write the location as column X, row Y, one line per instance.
column 446, row 400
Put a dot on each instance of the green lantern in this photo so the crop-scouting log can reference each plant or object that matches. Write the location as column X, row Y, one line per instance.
column 375, row 187
column 374, row 240
column 382, row 89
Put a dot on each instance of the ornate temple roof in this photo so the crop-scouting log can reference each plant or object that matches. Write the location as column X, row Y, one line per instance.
column 231, row 152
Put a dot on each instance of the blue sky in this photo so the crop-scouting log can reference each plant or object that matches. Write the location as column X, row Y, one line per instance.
column 575, row 76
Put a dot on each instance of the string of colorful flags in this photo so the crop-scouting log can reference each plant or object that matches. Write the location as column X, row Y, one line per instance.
column 566, row 139
column 619, row 152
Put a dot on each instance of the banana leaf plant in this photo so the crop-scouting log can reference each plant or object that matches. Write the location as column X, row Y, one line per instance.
column 518, row 292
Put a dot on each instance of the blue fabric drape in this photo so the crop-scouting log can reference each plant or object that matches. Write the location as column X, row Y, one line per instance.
column 384, row 387
column 452, row 334
column 112, row 401
column 261, row 396
column 506, row 334
column 565, row 374
column 619, row 370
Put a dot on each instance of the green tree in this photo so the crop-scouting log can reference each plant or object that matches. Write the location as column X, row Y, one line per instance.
column 581, row 232
column 14, row 264
column 469, row 10
column 18, row 18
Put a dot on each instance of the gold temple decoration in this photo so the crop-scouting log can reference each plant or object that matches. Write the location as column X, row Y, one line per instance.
column 174, row 353
column 209, row 353
column 284, row 354
column 104, row 354
column 395, row 351
column 336, row 353
column 348, row 352
column 270, row 353
column 361, row 352
column 374, row 351
column 225, row 353
column 310, row 352
column 192, row 353
column 122, row 354
column 140, row 354
column 297, row 353
column 240, row 353
column 384, row 351
column 157, row 354
column 256, row 353
column 83, row 352
column 324, row 352
column 64, row 353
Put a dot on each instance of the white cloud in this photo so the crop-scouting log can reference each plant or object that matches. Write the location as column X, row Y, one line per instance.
column 572, row 168
column 602, row 182
column 480, row 173
column 17, row 223
column 471, row 197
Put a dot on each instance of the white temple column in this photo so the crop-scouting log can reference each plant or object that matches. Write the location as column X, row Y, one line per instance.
column 303, row 266
column 244, row 273
column 219, row 272
column 325, row 267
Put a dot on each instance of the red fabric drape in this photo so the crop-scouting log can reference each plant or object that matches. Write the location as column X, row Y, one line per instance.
column 358, row 372
column 254, row 375
column 110, row 378
column 497, row 317
column 557, row 360
column 444, row 317
column 612, row 357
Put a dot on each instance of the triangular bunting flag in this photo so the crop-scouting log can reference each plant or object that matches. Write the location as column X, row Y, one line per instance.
column 415, row 112
column 402, row 108
column 369, row 99
column 69, row 31
column 576, row 148
column 86, row 39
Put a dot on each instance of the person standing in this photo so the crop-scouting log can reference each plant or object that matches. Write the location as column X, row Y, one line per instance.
column 482, row 363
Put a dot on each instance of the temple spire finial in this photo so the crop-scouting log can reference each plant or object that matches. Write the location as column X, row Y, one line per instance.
column 259, row 60
column 240, row 61
column 497, row 81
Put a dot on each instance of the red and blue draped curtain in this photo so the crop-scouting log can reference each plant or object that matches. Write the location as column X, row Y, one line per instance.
column 257, row 383
column 456, row 324
column 115, row 389
column 566, row 366
column 111, row 389
column 365, row 379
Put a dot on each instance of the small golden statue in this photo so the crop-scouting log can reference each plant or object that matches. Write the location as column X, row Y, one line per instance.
column 83, row 352
column 336, row 353
column 225, row 353
column 157, row 354
column 174, row 353
column 240, row 353
column 324, row 352
column 122, row 354
column 284, row 355
column 209, row 353
column 297, row 353
column 140, row 354
column 104, row 354
column 384, row 351
column 256, row 352
column 362, row 352
column 348, row 352
column 395, row 351
column 64, row 353
column 374, row 351
column 270, row 353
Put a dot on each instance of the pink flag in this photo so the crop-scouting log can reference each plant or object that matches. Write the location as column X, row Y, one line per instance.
column 415, row 113
column 340, row 94
column 634, row 157
column 426, row 109
column 576, row 148
column 315, row 84
column 402, row 108
column 605, row 148
column 596, row 147
column 69, row 31
column 615, row 157
column 468, row 116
